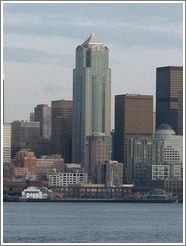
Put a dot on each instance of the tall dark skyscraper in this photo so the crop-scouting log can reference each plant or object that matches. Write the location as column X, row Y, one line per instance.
column 169, row 82
column 62, row 129
column 91, row 94
column 180, row 113
column 43, row 115
column 133, row 117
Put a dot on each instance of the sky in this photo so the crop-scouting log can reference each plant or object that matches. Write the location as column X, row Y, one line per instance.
column 39, row 42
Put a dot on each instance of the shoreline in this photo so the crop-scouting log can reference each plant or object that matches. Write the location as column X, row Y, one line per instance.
column 11, row 199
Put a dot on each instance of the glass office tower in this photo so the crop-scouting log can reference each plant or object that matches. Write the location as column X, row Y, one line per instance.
column 91, row 95
column 169, row 83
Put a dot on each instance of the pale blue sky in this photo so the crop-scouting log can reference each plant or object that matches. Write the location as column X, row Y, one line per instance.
column 40, row 41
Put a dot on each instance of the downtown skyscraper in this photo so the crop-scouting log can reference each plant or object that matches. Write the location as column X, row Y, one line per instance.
column 169, row 83
column 91, row 95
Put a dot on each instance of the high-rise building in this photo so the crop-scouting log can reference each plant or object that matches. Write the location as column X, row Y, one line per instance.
column 180, row 113
column 62, row 129
column 112, row 173
column 43, row 115
column 173, row 149
column 169, row 81
column 154, row 120
column 133, row 117
column 91, row 94
column 24, row 131
column 142, row 154
column 3, row 97
column 113, row 151
column 97, row 146
column 6, row 143
column 32, row 116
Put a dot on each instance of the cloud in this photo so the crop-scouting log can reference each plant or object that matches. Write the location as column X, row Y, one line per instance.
column 131, row 24
column 36, row 57
column 52, row 88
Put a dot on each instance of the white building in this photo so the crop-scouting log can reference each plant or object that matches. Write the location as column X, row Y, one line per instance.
column 35, row 193
column 160, row 172
column 173, row 149
column 6, row 143
column 64, row 179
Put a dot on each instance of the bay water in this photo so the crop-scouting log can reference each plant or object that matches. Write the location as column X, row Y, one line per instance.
column 76, row 222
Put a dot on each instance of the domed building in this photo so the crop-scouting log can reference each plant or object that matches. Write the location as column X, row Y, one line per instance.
column 164, row 131
column 173, row 149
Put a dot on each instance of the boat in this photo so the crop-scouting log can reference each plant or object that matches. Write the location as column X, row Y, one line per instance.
column 160, row 195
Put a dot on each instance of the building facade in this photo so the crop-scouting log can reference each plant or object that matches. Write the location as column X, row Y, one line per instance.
column 6, row 143
column 173, row 149
column 32, row 116
column 169, row 82
column 97, row 151
column 62, row 129
column 142, row 154
column 26, row 160
column 133, row 117
column 91, row 95
column 65, row 179
column 112, row 173
column 160, row 172
column 180, row 113
column 43, row 115
column 48, row 164
column 24, row 131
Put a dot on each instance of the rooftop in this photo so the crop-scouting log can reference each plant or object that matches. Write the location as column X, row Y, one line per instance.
column 91, row 40
column 164, row 127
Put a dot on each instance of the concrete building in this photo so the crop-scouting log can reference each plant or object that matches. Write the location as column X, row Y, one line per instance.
column 62, row 129
column 160, row 172
column 142, row 154
column 112, row 173
column 24, row 131
column 133, row 117
column 91, row 95
column 43, row 115
column 27, row 160
column 6, row 143
column 72, row 168
column 98, row 150
column 48, row 164
column 173, row 149
column 65, row 179
column 169, row 82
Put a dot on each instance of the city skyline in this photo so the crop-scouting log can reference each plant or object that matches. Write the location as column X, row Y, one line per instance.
column 39, row 46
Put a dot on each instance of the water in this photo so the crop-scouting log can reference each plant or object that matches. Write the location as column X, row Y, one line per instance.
column 92, row 223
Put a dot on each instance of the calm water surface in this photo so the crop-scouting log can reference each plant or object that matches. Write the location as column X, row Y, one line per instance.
column 92, row 223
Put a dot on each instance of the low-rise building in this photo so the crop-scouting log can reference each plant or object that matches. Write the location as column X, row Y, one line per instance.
column 35, row 193
column 64, row 179
column 48, row 164
column 27, row 160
